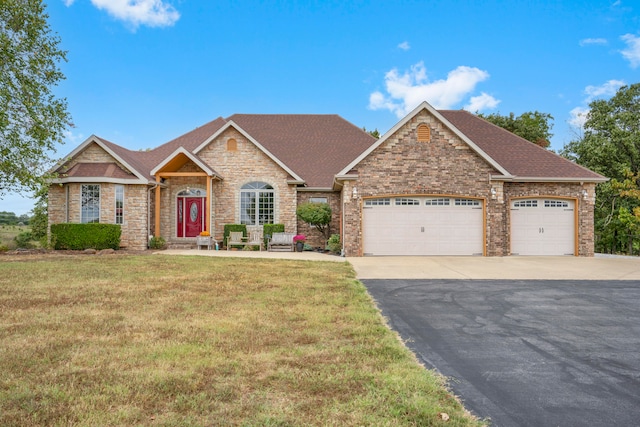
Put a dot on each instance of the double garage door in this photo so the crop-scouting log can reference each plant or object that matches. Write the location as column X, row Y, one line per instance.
column 454, row 226
column 422, row 226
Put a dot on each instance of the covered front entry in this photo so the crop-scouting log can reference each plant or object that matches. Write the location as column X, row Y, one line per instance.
column 543, row 227
column 190, row 216
column 423, row 226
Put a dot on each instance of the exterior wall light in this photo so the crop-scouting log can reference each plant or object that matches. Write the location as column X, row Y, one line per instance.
column 354, row 193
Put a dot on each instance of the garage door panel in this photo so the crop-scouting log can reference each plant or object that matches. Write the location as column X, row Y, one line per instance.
column 543, row 227
column 437, row 227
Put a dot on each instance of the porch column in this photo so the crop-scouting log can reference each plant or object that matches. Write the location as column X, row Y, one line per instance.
column 208, row 209
column 157, row 217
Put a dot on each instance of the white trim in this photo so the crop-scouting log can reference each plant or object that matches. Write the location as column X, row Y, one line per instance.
column 99, row 179
column 195, row 159
column 545, row 179
column 296, row 179
column 424, row 106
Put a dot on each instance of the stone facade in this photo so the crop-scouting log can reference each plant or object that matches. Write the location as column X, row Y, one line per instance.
column 447, row 166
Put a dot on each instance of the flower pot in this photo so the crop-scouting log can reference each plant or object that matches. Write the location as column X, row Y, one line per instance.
column 299, row 246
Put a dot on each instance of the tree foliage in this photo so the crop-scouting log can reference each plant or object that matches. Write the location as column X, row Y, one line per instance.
column 316, row 214
column 32, row 118
column 532, row 126
column 610, row 146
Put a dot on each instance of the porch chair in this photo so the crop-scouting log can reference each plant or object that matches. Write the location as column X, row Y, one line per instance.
column 235, row 238
column 281, row 242
column 255, row 239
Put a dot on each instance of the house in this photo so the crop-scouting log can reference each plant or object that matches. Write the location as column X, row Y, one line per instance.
column 438, row 183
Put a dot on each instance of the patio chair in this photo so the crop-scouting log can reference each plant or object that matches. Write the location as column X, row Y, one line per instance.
column 235, row 238
column 255, row 239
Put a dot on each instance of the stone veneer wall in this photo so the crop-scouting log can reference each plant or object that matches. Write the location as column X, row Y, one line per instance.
column 314, row 237
column 134, row 228
column 446, row 165
column 246, row 163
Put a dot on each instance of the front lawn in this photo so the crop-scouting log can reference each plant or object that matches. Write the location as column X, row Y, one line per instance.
column 177, row 341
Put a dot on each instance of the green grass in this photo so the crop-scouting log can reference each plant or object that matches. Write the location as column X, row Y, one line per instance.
column 178, row 341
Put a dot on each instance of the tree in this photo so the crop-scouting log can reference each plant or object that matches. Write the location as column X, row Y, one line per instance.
column 32, row 119
column 374, row 133
column 610, row 145
column 316, row 214
column 532, row 126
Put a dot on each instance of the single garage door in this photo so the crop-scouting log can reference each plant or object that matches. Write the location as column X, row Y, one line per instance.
column 543, row 227
column 422, row 226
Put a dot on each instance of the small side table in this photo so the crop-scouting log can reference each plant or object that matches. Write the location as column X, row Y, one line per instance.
column 204, row 241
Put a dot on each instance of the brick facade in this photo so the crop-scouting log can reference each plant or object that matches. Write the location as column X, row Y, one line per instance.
column 446, row 165
column 314, row 237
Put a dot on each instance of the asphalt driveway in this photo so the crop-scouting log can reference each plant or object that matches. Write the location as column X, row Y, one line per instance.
column 526, row 352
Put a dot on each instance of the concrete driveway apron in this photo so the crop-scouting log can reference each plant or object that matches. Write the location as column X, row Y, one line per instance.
column 524, row 352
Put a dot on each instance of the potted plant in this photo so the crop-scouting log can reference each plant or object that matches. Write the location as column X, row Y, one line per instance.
column 299, row 241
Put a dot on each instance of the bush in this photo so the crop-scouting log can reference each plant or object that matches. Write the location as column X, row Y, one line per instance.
column 157, row 243
column 233, row 227
column 23, row 240
column 317, row 215
column 4, row 248
column 85, row 236
column 334, row 243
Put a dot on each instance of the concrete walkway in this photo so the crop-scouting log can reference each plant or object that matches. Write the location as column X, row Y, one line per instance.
column 601, row 267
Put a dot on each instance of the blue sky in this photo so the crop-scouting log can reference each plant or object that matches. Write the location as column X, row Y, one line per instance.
column 142, row 72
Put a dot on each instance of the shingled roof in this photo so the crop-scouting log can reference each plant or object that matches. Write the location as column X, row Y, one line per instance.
column 519, row 157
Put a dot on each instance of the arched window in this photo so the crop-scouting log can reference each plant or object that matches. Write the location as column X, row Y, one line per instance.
column 257, row 203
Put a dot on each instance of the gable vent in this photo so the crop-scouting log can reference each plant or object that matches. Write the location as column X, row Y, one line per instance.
column 232, row 145
column 424, row 133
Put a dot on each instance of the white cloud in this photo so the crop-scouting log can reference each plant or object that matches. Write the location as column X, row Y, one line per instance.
column 153, row 13
column 597, row 41
column 632, row 52
column 608, row 89
column 404, row 45
column 578, row 116
column 482, row 102
column 406, row 91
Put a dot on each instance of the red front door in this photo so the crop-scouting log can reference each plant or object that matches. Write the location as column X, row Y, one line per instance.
column 190, row 216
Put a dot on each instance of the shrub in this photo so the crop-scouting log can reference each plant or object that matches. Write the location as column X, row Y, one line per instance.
column 317, row 215
column 85, row 236
column 334, row 243
column 23, row 240
column 157, row 243
column 4, row 248
column 228, row 228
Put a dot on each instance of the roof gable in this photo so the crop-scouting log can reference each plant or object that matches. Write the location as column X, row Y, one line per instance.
column 117, row 153
column 314, row 146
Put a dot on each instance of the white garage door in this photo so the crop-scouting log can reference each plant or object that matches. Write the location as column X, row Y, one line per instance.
column 422, row 226
column 543, row 227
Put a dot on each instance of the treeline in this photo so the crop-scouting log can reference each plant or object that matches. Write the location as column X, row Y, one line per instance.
column 10, row 218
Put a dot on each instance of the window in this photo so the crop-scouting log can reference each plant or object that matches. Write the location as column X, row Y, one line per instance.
column 119, row 204
column 318, row 200
column 257, row 204
column 556, row 204
column 525, row 204
column 407, row 202
column 467, row 202
column 437, row 202
column 377, row 202
column 90, row 203
column 424, row 133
